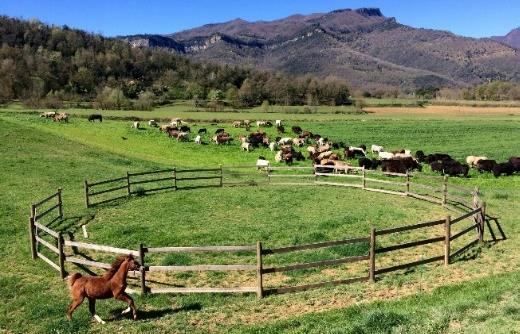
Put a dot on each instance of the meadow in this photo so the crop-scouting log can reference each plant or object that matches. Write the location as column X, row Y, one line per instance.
column 477, row 293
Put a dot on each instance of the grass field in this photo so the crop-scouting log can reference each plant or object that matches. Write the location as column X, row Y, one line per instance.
column 477, row 293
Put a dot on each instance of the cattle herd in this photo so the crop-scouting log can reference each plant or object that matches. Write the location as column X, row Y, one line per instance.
column 322, row 151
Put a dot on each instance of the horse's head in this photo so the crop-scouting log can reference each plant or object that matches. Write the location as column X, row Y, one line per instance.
column 132, row 263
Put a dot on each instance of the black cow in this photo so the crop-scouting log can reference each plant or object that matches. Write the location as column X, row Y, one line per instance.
column 185, row 128
column 503, row 168
column 420, row 156
column 456, row 169
column 486, row 165
column 515, row 161
column 393, row 166
column 437, row 157
column 93, row 117
column 203, row 130
column 411, row 163
column 280, row 129
column 353, row 153
column 219, row 131
column 296, row 129
column 369, row 164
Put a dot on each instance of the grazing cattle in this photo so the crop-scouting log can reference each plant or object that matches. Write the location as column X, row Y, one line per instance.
column 411, row 163
column 185, row 128
column 503, row 168
column 515, row 161
column 472, row 160
column 258, row 138
column 167, row 127
column 273, row 146
column 336, row 146
column 352, row 152
column 285, row 141
column 263, row 123
column 176, row 122
column 242, row 138
column 198, row 140
column 278, row 122
column 247, row 123
column 278, row 156
column 437, row 157
column 486, row 165
column 152, row 123
column 298, row 156
column 449, row 167
column 368, row 163
column 296, row 129
column 298, row 142
column 280, row 129
column 420, row 156
column 219, row 131
column 236, row 124
column 136, row 125
column 201, row 131
column 402, row 156
column 376, row 148
column 321, row 141
column 93, row 117
column 222, row 138
column 385, row 155
column 323, row 148
column 363, row 147
column 62, row 116
column 325, row 155
column 456, row 168
column 246, row 146
column 48, row 114
column 262, row 163
column 305, row 134
column 178, row 135
column 393, row 166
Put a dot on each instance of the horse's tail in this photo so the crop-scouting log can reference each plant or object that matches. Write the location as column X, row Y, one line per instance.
column 72, row 278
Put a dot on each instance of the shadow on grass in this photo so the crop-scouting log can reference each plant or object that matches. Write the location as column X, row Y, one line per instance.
column 154, row 314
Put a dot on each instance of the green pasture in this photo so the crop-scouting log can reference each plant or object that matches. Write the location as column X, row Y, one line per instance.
column 477, row 293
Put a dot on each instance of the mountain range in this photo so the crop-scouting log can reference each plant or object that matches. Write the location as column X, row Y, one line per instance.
column 368, row 49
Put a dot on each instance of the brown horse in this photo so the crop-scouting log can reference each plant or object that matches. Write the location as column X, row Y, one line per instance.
column 111, row 285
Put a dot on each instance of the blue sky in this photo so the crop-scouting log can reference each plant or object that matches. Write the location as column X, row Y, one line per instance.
column 475, row 18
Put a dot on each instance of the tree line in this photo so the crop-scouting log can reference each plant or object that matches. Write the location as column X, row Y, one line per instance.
column 44, row 65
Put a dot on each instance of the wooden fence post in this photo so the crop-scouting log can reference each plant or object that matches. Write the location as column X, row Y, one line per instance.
column 475, row 197
column 482, row 222
column 60, row 202
column 364, row 185
column 32, row 231
column 445, row 190
column 142, row 270
column 259, row 271
column 175, row 177
column 407, row 183
column 87, row 201
column 372, row 260
column 128, row 183
column 61, row 256
column 221, row 176
column 447, row 234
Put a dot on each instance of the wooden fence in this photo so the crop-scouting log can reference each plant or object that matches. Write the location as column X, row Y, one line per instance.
column 454, row 230
column 138, row 183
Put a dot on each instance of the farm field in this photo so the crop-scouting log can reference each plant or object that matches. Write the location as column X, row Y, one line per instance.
column 478, row 292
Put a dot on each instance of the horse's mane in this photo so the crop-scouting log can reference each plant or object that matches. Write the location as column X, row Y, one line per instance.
column 115, row 266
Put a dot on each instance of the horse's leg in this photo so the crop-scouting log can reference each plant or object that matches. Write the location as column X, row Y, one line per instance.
column 127, row 299
column 74, row 305
column 92, row 309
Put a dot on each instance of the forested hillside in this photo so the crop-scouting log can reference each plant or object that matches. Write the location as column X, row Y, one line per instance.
column 44, row 65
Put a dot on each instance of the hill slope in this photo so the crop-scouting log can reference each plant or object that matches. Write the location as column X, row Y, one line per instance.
column 512, row 38
column 362, row 46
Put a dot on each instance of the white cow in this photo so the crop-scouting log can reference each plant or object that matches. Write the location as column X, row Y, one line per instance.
column 246, row 146
column 377, row 149
column 152, row 122
column 278, row 122
column 278, row 157
column 285, row 141
column 198, row 140
column 135, row 125
column 473, row 160
column 272, row 146
column 262, row 163
column 386, row 155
